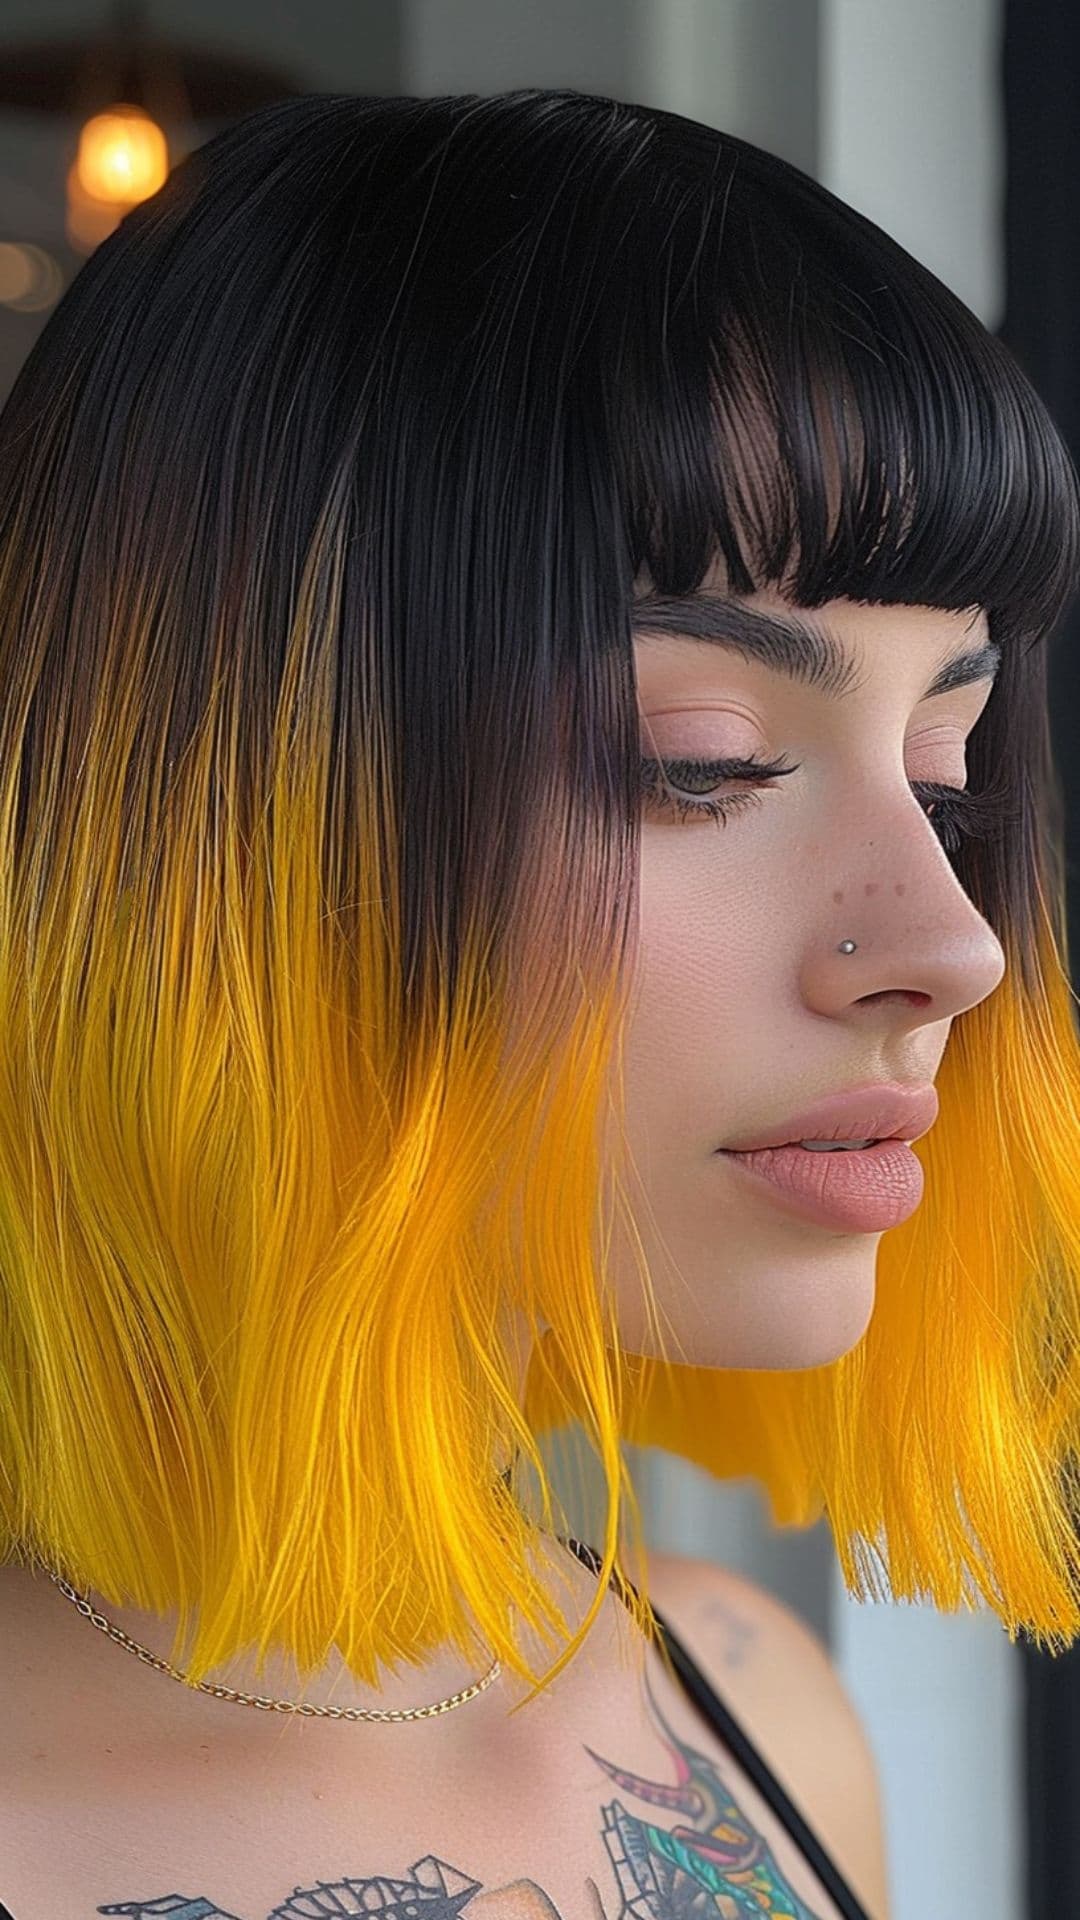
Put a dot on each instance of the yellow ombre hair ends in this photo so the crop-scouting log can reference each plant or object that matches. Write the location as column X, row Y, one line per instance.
column 323, row 493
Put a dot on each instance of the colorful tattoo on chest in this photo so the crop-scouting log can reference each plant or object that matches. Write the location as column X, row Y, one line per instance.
column 708, row 1864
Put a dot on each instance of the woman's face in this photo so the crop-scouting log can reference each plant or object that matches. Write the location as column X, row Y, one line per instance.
column 744, row 1010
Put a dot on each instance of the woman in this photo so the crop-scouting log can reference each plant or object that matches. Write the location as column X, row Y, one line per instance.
column 524, row 663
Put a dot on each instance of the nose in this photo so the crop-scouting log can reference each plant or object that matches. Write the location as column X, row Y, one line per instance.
column 923, row 950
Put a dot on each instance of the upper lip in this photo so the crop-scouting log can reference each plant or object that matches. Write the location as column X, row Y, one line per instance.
column 880, row 1111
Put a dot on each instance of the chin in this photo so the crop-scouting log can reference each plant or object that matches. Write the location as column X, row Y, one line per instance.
column 789, row 1353
column 772, row 1325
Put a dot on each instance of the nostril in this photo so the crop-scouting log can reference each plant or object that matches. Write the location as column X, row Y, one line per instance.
column 908, row 998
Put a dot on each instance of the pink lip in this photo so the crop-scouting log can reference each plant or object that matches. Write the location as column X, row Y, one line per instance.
column 866, row 1191
column 876, row 1111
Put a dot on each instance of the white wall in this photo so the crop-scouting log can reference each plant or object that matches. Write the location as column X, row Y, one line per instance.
column 749, row 66
column 488, row 46
column 911, row 132
column 940, row 1695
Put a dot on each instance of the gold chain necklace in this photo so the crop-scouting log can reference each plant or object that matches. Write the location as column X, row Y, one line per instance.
column 262, row 1700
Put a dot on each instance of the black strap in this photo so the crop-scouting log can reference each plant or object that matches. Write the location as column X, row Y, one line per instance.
column 733, row 1735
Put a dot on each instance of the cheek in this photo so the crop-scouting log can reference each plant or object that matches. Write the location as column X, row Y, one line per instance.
column 709, row 925
column 709, row 966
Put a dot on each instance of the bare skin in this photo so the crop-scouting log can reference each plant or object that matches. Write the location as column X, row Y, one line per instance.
column 123, row 1793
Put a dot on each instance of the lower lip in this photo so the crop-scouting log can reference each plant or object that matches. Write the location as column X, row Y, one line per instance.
column 865, row 1191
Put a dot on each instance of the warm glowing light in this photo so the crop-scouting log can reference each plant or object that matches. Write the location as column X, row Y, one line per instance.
column 123, row 156
column 30, row 277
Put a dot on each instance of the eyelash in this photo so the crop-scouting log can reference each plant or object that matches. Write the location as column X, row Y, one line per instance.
column 960, row 816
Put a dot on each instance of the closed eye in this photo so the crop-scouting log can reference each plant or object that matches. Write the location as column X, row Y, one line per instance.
column 957, row 814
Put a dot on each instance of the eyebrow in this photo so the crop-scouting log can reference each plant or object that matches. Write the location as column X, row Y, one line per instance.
column 801, row 649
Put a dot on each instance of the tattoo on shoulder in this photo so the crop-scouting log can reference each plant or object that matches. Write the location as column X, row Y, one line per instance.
column 741, row 1632
column 705, row 1858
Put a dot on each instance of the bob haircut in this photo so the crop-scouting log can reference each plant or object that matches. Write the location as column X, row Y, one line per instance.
column 326, row 496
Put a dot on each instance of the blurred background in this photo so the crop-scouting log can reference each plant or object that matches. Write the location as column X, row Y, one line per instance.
column 957, row 128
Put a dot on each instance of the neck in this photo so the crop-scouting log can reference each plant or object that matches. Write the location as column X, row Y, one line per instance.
column 442, row 1674
column 611, row 1642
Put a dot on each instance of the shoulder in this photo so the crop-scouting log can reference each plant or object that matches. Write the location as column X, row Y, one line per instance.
column 779, row 1679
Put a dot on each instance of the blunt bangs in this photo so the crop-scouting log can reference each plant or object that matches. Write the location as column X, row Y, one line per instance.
column 818, row 408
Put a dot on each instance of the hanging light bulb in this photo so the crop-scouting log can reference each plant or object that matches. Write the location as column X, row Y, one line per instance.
column 134, row 101
column 123, row 156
